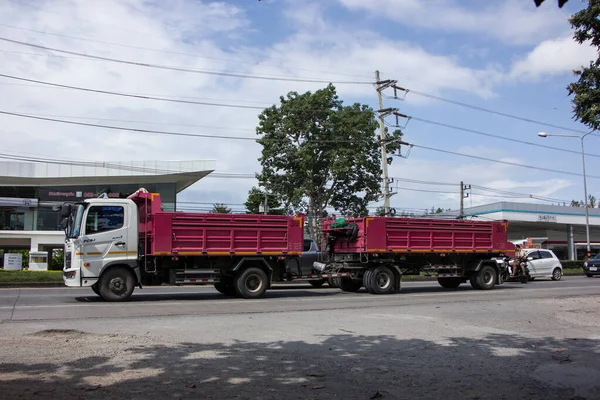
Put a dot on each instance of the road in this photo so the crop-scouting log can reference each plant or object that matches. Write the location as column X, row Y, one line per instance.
column 539, row 340
column 65, row 303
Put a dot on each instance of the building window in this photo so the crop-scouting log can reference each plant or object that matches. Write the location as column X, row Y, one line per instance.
column 104, row 218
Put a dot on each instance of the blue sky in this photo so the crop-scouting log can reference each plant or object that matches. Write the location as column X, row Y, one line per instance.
column 507, row 56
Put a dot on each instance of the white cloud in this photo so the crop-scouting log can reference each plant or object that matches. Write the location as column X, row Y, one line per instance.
column 553, row 57
column 512, row 21
column 200, row 29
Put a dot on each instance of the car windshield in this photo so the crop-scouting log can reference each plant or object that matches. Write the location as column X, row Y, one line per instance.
column 597, row 257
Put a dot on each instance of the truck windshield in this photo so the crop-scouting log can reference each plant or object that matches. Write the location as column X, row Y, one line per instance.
column 74, row 228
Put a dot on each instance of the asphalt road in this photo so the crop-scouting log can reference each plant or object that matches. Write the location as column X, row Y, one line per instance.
column 66, row 303
column 538, row 341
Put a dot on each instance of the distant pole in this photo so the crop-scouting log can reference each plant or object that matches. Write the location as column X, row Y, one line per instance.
column 265, row 208
column 383, row 136
column 462, row 200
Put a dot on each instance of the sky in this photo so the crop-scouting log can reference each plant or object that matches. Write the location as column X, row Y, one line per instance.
column 507, row 57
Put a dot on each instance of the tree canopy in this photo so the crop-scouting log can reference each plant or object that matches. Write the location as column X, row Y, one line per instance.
column 319, row 154
column 256, row 200
column 586, row 91
column 220, row 208
column 561, row 3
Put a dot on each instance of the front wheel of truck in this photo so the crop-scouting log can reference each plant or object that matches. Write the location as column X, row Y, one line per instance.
column 116, row 284
column 251, row 283
column 96, row 290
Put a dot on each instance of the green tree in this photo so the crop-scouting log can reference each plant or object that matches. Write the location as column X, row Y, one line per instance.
column 318, row 153
column 592, row 201
column 586, row 91
column 256, row 200
column 220, row 208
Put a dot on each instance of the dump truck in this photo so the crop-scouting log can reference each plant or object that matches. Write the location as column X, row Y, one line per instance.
column 377, row 251
column 114, row 245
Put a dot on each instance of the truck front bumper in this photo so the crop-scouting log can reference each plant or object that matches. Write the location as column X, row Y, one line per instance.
column 72, row 278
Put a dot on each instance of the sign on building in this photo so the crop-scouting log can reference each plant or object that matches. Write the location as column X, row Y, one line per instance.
column 13, row 261
column 546, row 218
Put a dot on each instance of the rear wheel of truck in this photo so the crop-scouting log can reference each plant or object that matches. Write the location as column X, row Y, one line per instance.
column 449, row 283
column 251, row 283
column 367, row 280
column 317, row 284
column 333, row 283
column 225, row 287
column 473, row 281
column 382, row 280
column 350, row 285
column 486, row 278
column 116, row 284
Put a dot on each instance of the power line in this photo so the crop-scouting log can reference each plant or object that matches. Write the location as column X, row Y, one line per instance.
column 132, row 95
column 181, row 69
column 499, row 137
column 255, row 139
column 180, row 53
column 490, row 111
column 556, row 171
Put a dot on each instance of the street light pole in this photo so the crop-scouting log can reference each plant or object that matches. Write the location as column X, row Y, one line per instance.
column 587, row 214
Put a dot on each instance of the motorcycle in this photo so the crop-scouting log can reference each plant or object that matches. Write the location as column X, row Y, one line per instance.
column 520, row 274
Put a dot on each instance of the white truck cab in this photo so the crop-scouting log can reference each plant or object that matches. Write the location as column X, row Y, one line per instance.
column 100, row 234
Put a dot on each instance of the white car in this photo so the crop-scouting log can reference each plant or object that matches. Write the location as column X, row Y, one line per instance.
column 543, row 263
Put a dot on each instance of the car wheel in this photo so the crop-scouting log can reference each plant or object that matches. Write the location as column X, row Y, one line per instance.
column 556, row 274
column 589, row 275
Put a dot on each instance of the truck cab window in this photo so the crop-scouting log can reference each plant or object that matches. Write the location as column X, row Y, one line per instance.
column 104, row 218
column 307, row 245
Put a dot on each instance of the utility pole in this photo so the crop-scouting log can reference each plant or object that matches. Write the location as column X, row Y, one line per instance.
column 462, row 198
column 383, row 136
column 266, row 206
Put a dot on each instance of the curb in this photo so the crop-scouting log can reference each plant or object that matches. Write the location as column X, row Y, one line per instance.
column 25, row 285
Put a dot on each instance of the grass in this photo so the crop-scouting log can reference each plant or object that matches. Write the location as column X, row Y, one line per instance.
column 30, row 276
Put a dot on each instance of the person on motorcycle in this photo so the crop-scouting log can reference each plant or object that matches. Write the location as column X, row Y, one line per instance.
column 517, row 263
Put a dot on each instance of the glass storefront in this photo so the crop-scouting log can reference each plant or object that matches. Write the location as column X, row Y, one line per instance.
column 45, row 219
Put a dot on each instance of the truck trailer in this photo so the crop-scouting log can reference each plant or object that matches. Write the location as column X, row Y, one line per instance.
column 378, row 251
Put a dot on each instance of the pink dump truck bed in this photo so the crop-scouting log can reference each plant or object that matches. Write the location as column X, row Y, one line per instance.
column 206, row 234
column 421, row 235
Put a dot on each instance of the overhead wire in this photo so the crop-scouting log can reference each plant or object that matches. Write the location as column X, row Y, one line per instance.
column 195, row 55
column 182, row 69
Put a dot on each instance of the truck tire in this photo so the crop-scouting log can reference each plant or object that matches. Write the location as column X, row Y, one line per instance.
column 473, row 281
column 486, row 278
column 251, row 283
column 317, row 284
column 116, row 284
column 450, row 283
column 350, row 285
column 367, row 280
column 333, row 283
column 226, row 287
column 382, row 280
column 96, row 290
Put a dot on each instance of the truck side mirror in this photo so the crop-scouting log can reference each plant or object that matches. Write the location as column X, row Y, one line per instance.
column 63, row 224
column 65, row 210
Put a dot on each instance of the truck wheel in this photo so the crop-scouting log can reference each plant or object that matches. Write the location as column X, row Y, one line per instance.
column 226, row 287
column 95, row 289
column 367, row 280
column 556, row 274
column 449, row 283
column 382, row 280
column 333, row 283
column 473, row 281
column 350, row 285
column 252, row 283
column 317, row 284
column 486, row 278
column 116, row 284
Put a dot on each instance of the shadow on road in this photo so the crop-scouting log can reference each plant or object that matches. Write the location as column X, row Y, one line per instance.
column 344, row 366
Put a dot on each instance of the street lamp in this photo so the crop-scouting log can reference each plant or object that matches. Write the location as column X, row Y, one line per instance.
column 587, row 214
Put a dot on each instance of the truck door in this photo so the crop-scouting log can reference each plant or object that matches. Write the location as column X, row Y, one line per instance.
column 105, row 238
column 309, row 256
